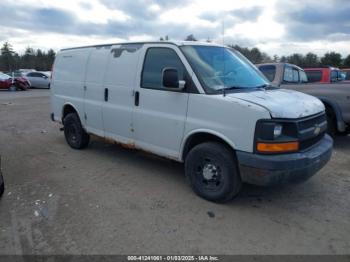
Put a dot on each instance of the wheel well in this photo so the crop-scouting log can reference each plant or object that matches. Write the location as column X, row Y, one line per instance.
column 329, row 109
column 333, row 117
column 199, row 138
column 330, row 112
column 68, row 109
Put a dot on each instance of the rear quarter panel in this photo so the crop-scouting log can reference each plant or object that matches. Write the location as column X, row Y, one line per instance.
column 67, row 85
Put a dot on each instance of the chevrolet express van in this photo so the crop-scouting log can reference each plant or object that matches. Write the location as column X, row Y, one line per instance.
column 202, row 104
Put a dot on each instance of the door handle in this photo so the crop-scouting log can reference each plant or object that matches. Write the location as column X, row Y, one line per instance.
column 137, row 98
column 106, row 94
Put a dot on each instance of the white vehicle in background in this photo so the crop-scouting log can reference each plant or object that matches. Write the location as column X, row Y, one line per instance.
column 202, row 104
column 38, row 79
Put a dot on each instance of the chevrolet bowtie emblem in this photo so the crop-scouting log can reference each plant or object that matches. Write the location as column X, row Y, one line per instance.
column 317, row 129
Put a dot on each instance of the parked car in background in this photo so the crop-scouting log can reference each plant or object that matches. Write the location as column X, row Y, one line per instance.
column 39, row 79
column 25, row 71
column 176, row 100
column 323, row 75
column 346, row 73
column 335, row 96
column 18, row 83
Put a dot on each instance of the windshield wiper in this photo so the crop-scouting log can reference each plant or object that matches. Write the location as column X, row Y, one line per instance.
column 265, row 86
column 230, row 88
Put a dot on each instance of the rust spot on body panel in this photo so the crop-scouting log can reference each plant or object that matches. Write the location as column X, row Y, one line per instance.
column 131, row 145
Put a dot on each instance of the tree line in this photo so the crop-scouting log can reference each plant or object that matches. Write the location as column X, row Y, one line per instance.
column 42, row 60
column 31, row 59
column 309, row 60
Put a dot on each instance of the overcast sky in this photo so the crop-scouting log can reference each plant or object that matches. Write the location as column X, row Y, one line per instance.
column 277, row 27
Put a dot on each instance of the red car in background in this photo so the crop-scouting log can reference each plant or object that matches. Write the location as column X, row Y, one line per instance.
column 18, row 83
column 323, row 75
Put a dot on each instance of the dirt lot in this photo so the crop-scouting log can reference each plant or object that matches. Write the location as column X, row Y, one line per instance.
column 109, row 200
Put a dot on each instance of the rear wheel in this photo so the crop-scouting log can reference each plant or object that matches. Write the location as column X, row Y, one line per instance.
column 74, row 133
column 212, row 172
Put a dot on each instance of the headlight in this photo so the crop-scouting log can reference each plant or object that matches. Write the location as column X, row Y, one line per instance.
column 277, row 131
column 273, row 136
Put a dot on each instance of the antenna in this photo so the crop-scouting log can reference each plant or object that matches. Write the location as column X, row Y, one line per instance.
column 223, row 31
column 223, row 53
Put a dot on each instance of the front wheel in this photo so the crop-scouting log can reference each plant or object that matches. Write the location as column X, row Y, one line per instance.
column 2, row 185
column 74, row 133
column 212, row 172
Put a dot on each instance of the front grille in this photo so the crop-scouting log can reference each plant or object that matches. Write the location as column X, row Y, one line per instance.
column 310, row 142
column 311, row 130
column 310, row 122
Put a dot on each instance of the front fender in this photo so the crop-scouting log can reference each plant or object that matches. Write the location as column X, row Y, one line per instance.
column 341, row 126
column 203, row 131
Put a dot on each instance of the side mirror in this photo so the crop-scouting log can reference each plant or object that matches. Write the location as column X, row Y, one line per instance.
column 171, row 79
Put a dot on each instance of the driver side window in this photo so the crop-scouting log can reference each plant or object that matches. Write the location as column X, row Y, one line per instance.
column 158, row 58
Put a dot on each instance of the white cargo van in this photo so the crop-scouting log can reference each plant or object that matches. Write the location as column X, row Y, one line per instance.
column 202, row 104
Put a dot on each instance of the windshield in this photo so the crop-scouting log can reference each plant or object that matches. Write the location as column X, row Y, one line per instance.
column 221, row 68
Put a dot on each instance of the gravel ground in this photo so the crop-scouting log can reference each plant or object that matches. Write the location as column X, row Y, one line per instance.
column 109, row 200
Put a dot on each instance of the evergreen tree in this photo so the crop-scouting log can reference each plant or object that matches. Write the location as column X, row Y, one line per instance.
column 190, row 38
column 311, row 60
column 331, row 59
column 346, row 62
column 7, row 57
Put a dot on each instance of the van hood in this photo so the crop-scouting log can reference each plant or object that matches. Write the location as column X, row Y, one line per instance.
column 282, row 103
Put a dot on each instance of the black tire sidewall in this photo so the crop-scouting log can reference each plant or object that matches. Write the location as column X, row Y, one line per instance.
column 225, row 159
column 72, row 121
column 331, row 125
column 2, row 185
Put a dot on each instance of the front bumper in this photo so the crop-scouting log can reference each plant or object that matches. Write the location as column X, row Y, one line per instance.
column 266, row 170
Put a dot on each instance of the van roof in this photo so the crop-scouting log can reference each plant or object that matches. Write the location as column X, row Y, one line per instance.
column 177, row 43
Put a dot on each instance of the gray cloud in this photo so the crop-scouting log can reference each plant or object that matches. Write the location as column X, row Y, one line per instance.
column 238, row 15
column 38, row 20
column 138, row 8
column 142, row 22
column 310, row 20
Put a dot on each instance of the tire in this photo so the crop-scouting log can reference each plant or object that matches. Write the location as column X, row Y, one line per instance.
column 2, row 185
column 331, row 123
column 13, row 88
column 23, row 87
column 212, row 171
column 74, row 133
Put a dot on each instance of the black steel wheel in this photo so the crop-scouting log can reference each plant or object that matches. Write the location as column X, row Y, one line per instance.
column 74, row 133
column 212, row 171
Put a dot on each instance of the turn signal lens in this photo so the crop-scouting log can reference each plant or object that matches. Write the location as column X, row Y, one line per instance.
column 277, row 147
